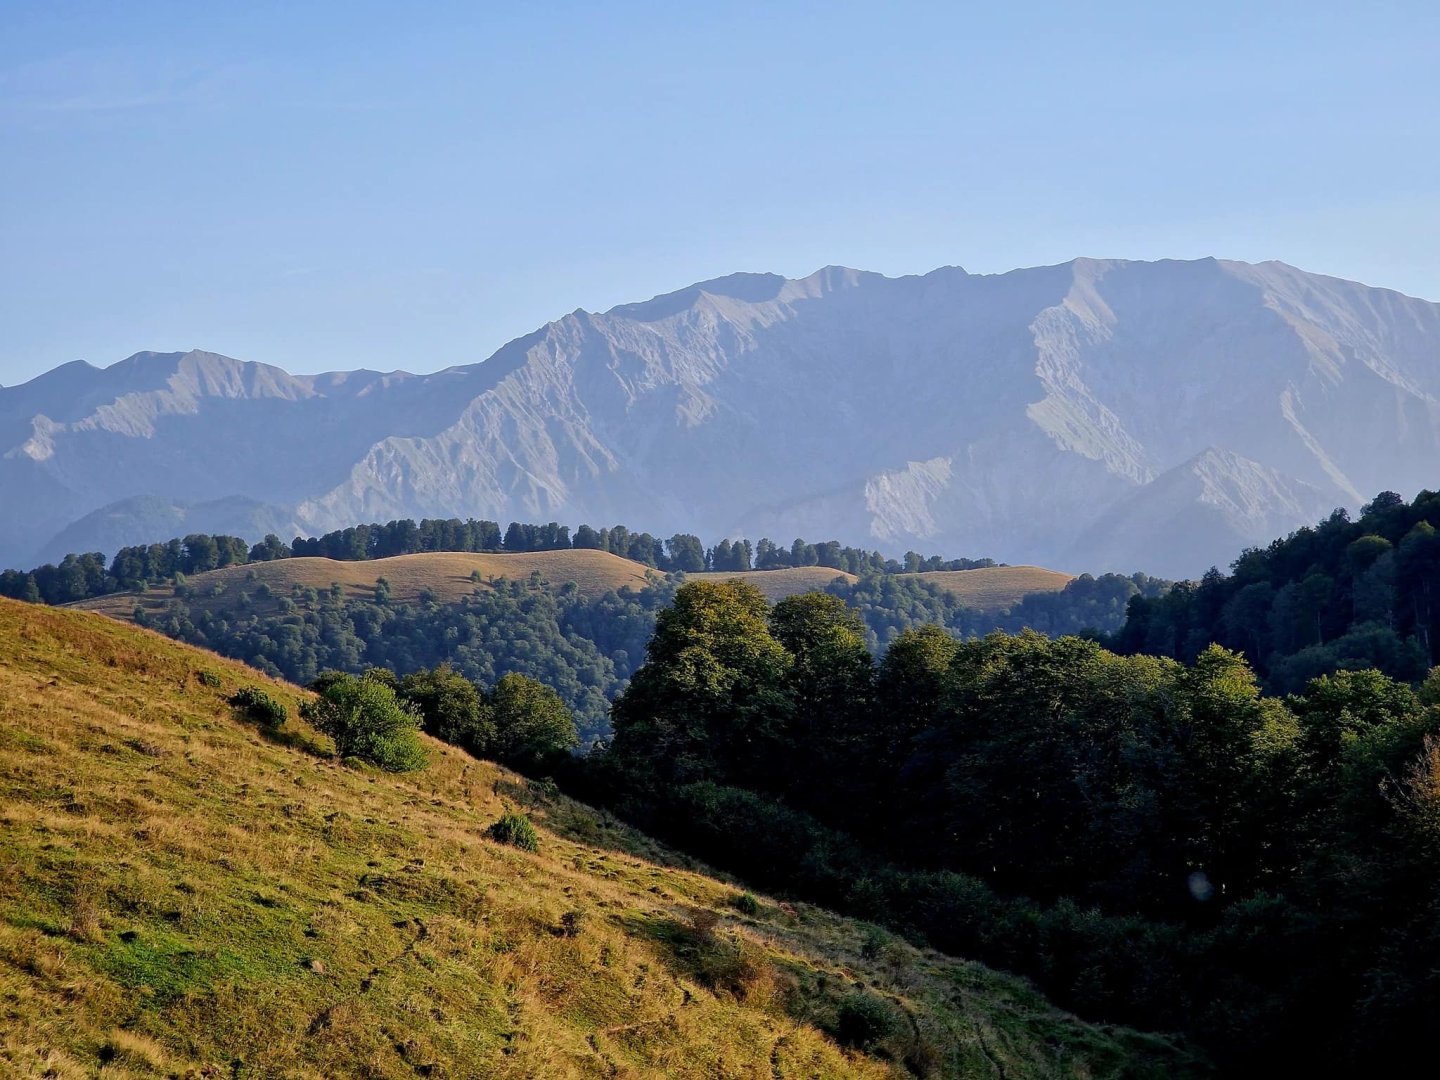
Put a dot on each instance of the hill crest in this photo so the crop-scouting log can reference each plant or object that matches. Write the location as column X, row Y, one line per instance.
column 448, row 576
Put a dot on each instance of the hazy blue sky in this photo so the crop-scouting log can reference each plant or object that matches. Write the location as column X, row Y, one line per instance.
column 326, row 185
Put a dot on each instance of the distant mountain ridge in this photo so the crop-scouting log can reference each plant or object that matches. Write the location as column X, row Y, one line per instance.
column 1095, row 415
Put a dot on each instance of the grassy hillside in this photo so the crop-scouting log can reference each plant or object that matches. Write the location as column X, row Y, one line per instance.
column 184, row 896
column 995, row 588
column 448, row 574
column 778, row 584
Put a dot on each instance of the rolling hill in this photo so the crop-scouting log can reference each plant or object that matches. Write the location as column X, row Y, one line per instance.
column 186, row 896
column 1100, row 415
column 778, row 584
column 995, row 588
column 448, row 575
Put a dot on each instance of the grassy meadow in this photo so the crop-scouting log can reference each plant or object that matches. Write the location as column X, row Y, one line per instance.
column 995, row 588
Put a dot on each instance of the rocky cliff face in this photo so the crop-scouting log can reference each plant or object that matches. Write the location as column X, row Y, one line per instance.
column 1092, row 416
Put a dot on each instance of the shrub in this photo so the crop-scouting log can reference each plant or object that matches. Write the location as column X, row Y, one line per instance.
column 260, row 707
column 208, row 678
column 873, row 947
column 571, row 922
column 863, row 1021
column 746, row 904
column 515, row 830
column 367, row 721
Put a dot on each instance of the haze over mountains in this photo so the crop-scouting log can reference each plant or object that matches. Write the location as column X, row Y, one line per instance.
column 1097, row 415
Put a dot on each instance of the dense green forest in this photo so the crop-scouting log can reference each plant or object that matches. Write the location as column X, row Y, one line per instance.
column 1152, row 842
column 83, row 576
column 585, row 649
column 1344, row 595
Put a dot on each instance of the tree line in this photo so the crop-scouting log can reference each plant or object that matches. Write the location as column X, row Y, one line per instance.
column 1343, row 595
column 84, row 576
column 374, row 716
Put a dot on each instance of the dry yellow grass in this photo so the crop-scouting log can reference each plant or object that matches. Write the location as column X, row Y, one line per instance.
column 448, row 574
column 183, row 895
column 778, row 584
column 995, row 588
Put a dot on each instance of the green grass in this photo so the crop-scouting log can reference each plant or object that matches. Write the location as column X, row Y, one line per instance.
column 187, row 894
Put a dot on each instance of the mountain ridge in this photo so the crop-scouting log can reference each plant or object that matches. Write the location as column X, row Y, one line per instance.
column 1004, row 414
column 190, row 894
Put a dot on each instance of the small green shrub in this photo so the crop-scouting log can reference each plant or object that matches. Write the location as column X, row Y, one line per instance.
column 746, row 904
column 366, row 720
column 571, row 922
column 260, row 707
column 515, row 830
column 863, row 1021
column 208, row 678
column 874, row 944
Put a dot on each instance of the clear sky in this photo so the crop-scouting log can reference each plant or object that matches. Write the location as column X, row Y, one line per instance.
column 345, row 184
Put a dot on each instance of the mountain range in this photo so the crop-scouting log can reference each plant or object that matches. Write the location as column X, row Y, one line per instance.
column 1095, row 415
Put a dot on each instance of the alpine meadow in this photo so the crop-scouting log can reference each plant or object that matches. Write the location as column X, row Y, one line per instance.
column 423, row 656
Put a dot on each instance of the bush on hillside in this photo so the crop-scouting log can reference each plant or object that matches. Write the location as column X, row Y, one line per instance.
column 451, row 707
column 863, row 1021
column 367, row 721
column 259, row 706
column 515, row 830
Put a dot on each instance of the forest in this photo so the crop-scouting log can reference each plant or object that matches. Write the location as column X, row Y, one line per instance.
column 1152, row 842
column 1343, row 595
